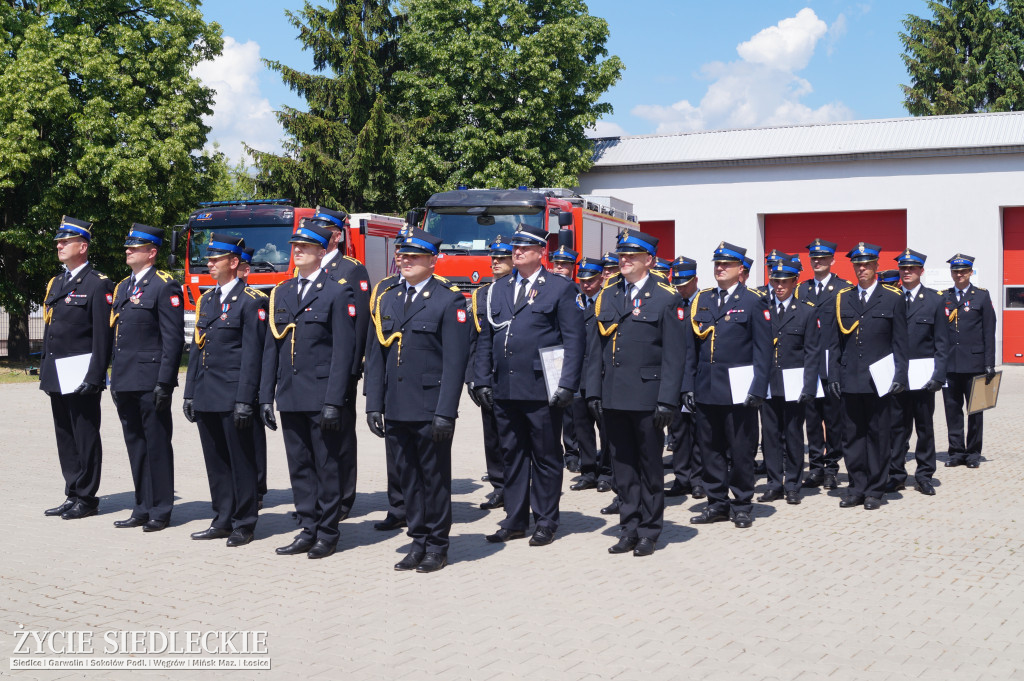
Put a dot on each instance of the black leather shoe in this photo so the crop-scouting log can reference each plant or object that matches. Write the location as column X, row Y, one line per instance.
column 625, row 545
column 542, row 536
column 793, row 497
column 831, row 482
column 742, row 519
column 813, row 480
column 503, row 535
column 212, row 533
column 60, row 510
column 644, row 547
column 892, row 487
column 572, row 465
column 604, row 486
column 850, row 502
column 708, row 516
column 583, row 484
column 78, row 510
column 925, row 487
column 493, row 501
column 771, row 495
column 321, row 549
column 872, row 503
column 612, row 508
column 951, row 463
column 131, row 522
column 486, row 477
column 154, row 526
column 240, row 537
column 432, row 562
column 973, row 464
column 390, row 523
column 411, row 560
column 300, row 545
column 678, row 490
column 698, row 492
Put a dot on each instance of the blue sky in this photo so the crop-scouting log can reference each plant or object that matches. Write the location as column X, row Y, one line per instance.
column 689, row 65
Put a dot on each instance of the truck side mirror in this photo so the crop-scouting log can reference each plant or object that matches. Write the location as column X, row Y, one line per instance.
column 172, row 258
column 414, row 217
column 565, row 219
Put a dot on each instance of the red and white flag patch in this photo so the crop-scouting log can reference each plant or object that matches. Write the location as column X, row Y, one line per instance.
column 819, row 323
column 110, row 299
column 767, row 316
column 461, row 316
column 364, row 285
column 351, row 310
column 262, row 314
column 175, row 301
column 680, row 314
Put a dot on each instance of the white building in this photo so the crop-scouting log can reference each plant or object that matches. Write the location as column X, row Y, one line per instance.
column 940, row 185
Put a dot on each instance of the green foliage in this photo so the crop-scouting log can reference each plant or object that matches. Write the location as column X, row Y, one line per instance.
column 339, row 153
column 501, row 92
column 228, row 182
column 99, row 119
column 968, row 58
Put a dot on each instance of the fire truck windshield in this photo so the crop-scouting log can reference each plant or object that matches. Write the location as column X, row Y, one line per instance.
column 472, row 234
column 270, row 243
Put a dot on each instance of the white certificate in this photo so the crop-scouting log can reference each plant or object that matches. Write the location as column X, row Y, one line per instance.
column 551, row 363
column 740, row 380
column 920, row 372
column 71, row 371
column 882, row 373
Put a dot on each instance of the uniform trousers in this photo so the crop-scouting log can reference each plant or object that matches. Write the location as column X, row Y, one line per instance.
column 425, row 470
column 954, row 396
column 728, row 439
column 76, row 424
column 259, row 441
column 313, row 467
column 636, row 446
column 913, row 409
column 824, row 419
column 595, row 464
column 230, row 468
column 347, row 454
column 570, row 444
column 782, row 443
column 867, row 443
column 396, row 500
column 493, row 459
column 147, row 436
column 686, row 459
column 528, row 431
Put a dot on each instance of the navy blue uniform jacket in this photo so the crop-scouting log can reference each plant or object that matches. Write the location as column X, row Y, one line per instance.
column 865, row 335
column 738, row 333
column 972, row 331
column 635, row 361
column 507, row 358
column 307, row 354
column 149, row 333
column 419, row 373
column 797, row 343
column 927, row 330
column 77, row 315
column 342, row 267
column 226, row 359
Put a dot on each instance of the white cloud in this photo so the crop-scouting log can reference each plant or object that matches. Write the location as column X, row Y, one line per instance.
column 240, row 112
column 606, row 129
column 836, row 31
column 762, row 88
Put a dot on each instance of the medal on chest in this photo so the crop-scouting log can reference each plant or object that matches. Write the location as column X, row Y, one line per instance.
column 636, row 306
column 224, row 311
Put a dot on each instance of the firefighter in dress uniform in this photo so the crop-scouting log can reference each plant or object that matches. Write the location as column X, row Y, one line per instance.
column 221, row 388
column 76, row 313
column 307, row 362
column 415, row 367
column 259, row 429
column 928, row 339
column 972, row 351
column 871, row 325
column 147, row 316
column 563, row 263
column 633, row 383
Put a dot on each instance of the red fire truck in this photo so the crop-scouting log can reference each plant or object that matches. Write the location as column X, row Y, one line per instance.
column 267, row 225
column 469, row 220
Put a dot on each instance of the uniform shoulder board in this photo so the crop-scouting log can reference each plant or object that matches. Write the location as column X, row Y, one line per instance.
column 807, row 303
column 440, row 278
column 844, row 290
column 254, row 293
column 666, row 287
column 757, row 291
column 455, row 288
column 658, row 275
column 352, row 260
column 341, row 281
column 612, row 280
column 164, row 275
column 100, row 276
column 981, row 289
column 892, row 288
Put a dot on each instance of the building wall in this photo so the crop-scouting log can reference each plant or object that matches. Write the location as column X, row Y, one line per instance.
column 953, row 204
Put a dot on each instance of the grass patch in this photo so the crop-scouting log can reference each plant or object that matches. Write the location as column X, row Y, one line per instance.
column 17, row 372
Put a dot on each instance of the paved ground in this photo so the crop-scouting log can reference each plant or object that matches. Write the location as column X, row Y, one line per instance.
column 928, row 588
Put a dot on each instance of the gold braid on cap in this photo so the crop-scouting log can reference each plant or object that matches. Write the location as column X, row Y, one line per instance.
column 839, row 318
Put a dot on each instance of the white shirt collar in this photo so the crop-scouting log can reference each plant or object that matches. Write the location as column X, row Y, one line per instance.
column 226, row 289
column 418, row 287
column 532, row 278
column 785, row 303
column 869, row 291
column 78, row 270
column 142, row 275
column 328, row 258
column 730, row 290
column 824, row 282
column 639, row 284
column 913, row 292
column 312, row 277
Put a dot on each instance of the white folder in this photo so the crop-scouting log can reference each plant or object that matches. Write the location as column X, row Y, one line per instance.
column 71, row 371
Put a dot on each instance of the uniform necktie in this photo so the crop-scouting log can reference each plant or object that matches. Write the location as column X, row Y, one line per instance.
column 863, row 297
column 523, row 283
column 782, row 309
column 633, row 291
column 131, row 284
column 721, row 297
column 821, row 287
column 590, row 301
column 67, row 277
column 302, row 289
column 910, row 296
column 216, row 297
column 959, row 295
column 410, row 293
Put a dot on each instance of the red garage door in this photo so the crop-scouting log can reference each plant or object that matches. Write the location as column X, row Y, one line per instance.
column 665, row 230
column 1013, row 285
column 791, row 232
